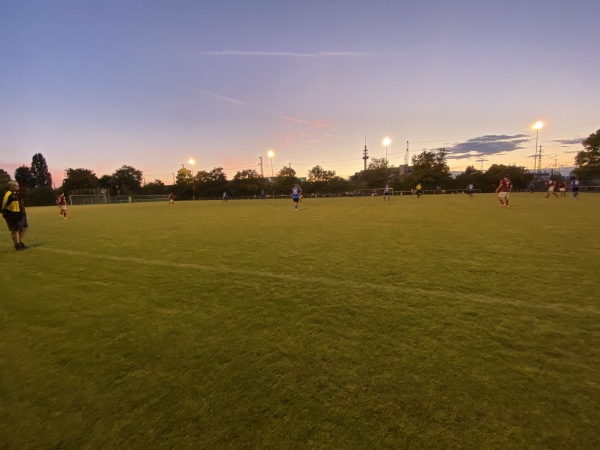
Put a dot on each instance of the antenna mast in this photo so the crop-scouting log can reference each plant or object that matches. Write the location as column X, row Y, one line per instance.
column 365, row 153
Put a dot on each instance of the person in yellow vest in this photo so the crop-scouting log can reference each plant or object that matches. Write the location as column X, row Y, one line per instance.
column 419, row 189
column 14, row 213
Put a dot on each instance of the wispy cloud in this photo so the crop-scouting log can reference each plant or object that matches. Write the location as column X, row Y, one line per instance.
column 569, row 141
column 285, row 54
column 311, row 124
column 487, row 145
column 222, row 97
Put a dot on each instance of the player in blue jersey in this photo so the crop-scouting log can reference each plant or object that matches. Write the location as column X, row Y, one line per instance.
column 386, row 192
column 296, row 194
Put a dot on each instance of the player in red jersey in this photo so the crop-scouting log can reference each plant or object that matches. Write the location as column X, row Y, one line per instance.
column 550, row 184
column 171, row 199
column 503, row 191
column 61, row 201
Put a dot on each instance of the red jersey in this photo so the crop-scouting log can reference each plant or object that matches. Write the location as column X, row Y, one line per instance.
column 505, row 185
column 61, row 200
column 550, row 183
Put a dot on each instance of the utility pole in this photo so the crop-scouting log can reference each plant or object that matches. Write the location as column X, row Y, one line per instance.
column 261, row 168
column 365, row 153
column 481, row 160
column 406, row 156
column 539, row 163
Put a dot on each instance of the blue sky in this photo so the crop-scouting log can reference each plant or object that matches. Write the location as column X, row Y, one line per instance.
column 100, row 84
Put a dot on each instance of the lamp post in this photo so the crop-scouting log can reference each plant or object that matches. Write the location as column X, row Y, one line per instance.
column 387, row 141
column 271, row 154
column 191, row 162
column 537, row 164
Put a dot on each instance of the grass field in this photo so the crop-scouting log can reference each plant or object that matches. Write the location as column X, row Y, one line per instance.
column 443, row 322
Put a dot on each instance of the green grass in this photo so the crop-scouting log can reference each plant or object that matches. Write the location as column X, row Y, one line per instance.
column 443, row 322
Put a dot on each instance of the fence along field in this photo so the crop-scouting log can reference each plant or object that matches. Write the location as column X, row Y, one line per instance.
column 441, row 322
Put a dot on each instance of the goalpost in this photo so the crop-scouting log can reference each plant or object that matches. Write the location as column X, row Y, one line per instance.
column 92, row 199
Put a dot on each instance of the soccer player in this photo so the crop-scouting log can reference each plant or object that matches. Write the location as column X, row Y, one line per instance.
column 296, row 194
column 171, row 199
column 419, row 189
column 470, row 190
column 503, row 191
column 550, row 184
column 575, row 187
column 14, row 213
column 562, row 188
column 61, row 201
column 225, row 197
column 386, row 192
column 263, row 196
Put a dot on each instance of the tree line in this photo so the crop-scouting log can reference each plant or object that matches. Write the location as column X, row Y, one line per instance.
column 429, row 168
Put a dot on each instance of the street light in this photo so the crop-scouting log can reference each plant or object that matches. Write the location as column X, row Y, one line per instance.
column 537, row 127
column 387, row 141
column 271, row 154
column 191, row 162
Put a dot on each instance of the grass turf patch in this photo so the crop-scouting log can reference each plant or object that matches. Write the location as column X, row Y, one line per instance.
column 443, row 321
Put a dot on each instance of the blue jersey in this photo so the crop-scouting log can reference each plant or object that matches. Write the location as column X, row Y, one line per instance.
column 296, row 191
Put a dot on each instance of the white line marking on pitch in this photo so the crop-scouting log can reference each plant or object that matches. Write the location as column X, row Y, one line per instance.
column 563, row 308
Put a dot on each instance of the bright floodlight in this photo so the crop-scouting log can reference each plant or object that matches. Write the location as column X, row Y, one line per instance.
column 387, row 141
column 538, row 125
column 270, row 153
column 191, row 161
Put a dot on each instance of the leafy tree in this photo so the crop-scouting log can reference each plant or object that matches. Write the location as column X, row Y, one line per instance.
column 321, row 181
column 430, row 167
column 588, row 159
column 336, row 185
column 41, row 196
column 184, row 184
column 79, row 179
column 377, row 174
column 318, row 174
column 156, row 187
column 286, row 178
column 4, row 179
column 471, row 176
column 105, row 182
column 24, row 177
column 286, row 172
column 39, row 171
column 126, row 180
column 211, row 184
column 519, row 177
column 247, row 182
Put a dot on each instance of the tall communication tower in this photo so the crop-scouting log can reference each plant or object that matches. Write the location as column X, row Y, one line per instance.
column 406, row 159
column 365, row 153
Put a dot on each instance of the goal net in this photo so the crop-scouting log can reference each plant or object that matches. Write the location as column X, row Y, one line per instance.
column 89, row 199
column 139, row 198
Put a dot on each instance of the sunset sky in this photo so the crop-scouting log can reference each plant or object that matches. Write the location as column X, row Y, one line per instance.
column 151, row 84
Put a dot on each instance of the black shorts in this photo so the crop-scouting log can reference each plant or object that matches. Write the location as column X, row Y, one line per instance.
column 16, row 222
column 296, row 199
